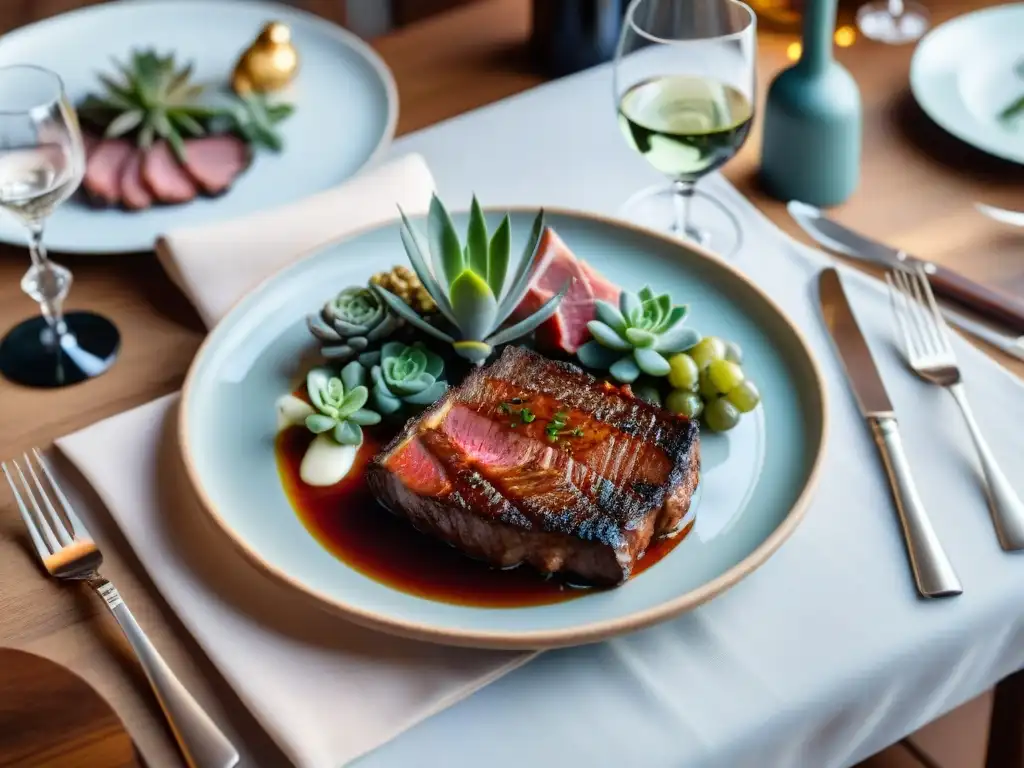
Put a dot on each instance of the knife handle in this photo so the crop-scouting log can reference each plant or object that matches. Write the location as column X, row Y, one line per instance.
column 987, row 302
column 932, row 570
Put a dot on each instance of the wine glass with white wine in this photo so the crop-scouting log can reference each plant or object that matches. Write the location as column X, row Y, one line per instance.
column 42, row 161
column 684, row 90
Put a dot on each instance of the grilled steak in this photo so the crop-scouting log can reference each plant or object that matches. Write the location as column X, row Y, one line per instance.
column 164, row 176
column 135, row 196
column 476, row 471
column 102, row 182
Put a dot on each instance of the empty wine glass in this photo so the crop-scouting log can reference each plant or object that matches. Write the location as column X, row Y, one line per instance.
column 684, row 90
column 42, row 161
column 892, row 21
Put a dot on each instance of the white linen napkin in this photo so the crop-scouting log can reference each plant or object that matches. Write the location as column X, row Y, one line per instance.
column 326, row 690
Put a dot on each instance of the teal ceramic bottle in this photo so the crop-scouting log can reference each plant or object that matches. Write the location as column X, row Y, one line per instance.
column 812, row 121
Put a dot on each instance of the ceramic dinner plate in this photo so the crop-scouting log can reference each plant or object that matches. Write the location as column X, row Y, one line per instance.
column 345, row 97
column 755, row 482
column 966, row 71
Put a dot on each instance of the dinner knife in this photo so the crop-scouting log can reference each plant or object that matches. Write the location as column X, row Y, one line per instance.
column 933, row 572
column 987, row 302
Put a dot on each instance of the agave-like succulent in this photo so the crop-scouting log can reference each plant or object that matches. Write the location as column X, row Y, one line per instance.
column 350, row 321
column 406, row 374
column 339, row 403
column 468, row 284
column 154, row 98
column 637, row 336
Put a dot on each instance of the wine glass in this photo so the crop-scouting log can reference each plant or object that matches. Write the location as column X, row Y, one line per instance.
column 684, row 90
column 892, row 21
column 42, row 162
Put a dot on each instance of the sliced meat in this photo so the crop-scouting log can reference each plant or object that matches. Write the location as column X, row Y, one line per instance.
column 215, row 162
column 566, row 330
column 135, row 196
column 102, row 182
column 477, row 474
column 164, row 176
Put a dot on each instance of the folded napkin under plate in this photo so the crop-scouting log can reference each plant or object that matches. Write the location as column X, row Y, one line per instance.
column 326, row 690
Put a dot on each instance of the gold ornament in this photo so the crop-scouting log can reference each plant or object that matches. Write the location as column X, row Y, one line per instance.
column 269, row 64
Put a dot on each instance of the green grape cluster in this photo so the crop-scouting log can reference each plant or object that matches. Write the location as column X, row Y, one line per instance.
column 708, row 382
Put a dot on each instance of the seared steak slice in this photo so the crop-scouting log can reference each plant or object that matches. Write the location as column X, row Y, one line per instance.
column 164, row 176
column 476, row 474
column 102, row 181
column 214, row 162
column 134, row 194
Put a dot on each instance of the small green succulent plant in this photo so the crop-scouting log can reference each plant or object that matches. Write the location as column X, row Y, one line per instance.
column 339, row 403
column 348, row 323
column 637, row 336
column 406, row 375
column 468, row 283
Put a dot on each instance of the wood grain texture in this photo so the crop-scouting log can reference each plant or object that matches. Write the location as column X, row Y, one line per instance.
column 50, row 717
column 916, row 191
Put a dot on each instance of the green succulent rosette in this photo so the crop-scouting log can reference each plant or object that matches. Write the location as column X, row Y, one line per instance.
column 637, row 336
column 350, row 322
column 339, row 403
column 468, row 283
column 406, row 375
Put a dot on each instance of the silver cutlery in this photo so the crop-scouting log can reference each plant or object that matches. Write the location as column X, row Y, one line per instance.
column 74, row 556
column 1002, row 215
column 933, row 572
column 1011, row 345
column 930, row 355
column 987, row 302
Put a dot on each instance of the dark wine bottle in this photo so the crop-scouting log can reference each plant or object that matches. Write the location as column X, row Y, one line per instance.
column 570, row 35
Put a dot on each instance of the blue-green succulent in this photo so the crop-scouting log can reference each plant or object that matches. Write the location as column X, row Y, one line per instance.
column 637, row 336
column 350, row 322
column 339, row 403
column 468, row 283
column 406, row 375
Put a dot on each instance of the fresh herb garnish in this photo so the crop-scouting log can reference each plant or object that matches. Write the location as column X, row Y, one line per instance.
column 1013, row 109
column 558, row 427
column 505, row 408
column 526, row 415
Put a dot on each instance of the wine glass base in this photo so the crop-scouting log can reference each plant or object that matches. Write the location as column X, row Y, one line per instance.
column 713, row 225
column 877, row 23
column 32, row 356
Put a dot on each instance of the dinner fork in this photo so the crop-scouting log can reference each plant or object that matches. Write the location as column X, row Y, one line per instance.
column 926, row 343
column 73, row 555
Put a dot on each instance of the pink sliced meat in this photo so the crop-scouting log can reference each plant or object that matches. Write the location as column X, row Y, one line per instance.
column 134, row 194
column 165, row 177
column 566, row 330
column 102, row 180
column 215, row 162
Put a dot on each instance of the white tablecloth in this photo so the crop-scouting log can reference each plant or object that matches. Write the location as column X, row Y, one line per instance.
column 825, row 655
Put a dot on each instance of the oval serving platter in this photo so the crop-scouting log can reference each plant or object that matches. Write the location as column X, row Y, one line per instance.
column 346, row 106
column 756, row 480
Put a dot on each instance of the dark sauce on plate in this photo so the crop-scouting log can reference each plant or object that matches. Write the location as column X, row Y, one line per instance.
column 346, row 519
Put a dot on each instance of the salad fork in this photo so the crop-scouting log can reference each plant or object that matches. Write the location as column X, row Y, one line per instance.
column 926, row 344
column 73, row 555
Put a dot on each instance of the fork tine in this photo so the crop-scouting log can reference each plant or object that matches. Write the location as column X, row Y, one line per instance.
column 919, row 345
column 916, row 278
column 26, row 516
column 55, row 521
column 940, row 322
column 78, row 530
column 896, row 300
column 41, row 524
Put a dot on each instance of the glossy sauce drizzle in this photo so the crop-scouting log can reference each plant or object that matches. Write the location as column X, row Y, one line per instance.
column 348, row 522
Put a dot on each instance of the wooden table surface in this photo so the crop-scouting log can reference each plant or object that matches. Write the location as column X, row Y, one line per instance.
column 916, row 190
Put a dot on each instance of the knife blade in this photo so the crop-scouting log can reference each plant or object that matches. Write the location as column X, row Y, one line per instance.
column 1002, row 215
column 986, row 302
column 932, row 570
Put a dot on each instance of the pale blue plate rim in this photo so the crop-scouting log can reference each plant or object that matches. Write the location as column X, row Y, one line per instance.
column 272, row 7
column 954, row 122
column 544, row 639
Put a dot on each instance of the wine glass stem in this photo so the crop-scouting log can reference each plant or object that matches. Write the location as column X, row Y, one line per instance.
column 896, row 8
column 47, row 283
column 683, row 197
